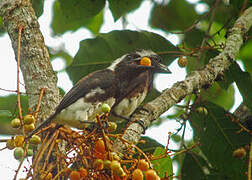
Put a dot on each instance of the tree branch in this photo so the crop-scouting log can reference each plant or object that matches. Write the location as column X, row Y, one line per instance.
column 34, row 60
column 194, row 81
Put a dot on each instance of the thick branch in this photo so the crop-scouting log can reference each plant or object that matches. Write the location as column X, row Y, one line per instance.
column 35, row 64
column 194, row 81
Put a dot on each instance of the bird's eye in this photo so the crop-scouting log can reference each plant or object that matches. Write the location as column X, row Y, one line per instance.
column 145, row 61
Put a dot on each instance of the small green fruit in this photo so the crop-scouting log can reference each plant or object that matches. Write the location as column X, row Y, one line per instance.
column 16, row 123
column 29, row 152
column 29, row 119
column 105, row 108
column 18, row 153
column 112, row 126
column 35, row 139
column 202, row 110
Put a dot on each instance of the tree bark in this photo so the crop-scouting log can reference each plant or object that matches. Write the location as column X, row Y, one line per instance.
column 34, row 59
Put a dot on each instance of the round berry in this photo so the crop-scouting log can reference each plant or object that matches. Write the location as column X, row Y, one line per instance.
column 15, row 123
column 29, row 119
column 10, row 144
column 143, row 165
column 182, row 61
column 202, row 110
column 98, row 164
column 137, row 175
column 35, row 139
column 107, row 164
column 100, row 146
column 19, row 141
column 239, row 153
column 112, row 126
column 29, row 127
column 115, row 165
column 145, row 61
column 105, row 108
column 74, row 175
column 29, row 152
column 18, row 153
column 151, row 175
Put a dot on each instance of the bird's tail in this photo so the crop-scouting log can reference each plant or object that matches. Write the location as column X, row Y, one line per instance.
column 42, row 125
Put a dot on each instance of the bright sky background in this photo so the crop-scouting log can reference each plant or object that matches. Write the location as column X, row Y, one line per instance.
column 138, row 21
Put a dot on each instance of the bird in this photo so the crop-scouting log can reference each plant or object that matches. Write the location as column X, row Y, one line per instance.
column 123, row 86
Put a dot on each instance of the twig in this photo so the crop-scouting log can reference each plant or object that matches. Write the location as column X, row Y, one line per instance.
column 250, row 161
column 42, row 91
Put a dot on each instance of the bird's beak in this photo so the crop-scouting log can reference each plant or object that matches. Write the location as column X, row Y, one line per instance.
column 161, row 68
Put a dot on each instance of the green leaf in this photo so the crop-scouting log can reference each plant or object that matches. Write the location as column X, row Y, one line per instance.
column 120, row 7
column 38, row 6
column 244, row 82
column 176, row 15
column 5, row 113
column 218, row 139
column 150, row 144
column 245, row 55
column 8, row 106
column 219, row 96
column 62, row 54
column 98, row 53
column 71, row 15
column 162, row 166
column 194, row 167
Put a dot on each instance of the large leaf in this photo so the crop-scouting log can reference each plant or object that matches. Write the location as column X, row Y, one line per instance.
column 244, row 82
column 71, row 15
column 120, row 7
column 219, row 138
column 176, row 15
column 99, row 52
column 38, row 6
column 162, row 166
column 219, row 96
column 150, row 145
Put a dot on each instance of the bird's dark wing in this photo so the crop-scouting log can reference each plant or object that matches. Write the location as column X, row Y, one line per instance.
column 103, row 80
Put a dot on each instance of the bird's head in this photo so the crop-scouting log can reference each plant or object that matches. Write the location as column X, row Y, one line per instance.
column 139, row 61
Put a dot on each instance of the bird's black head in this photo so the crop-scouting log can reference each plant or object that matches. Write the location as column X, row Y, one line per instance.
column 138, row 62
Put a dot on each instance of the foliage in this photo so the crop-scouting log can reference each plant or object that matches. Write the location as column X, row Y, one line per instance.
column 202, row 36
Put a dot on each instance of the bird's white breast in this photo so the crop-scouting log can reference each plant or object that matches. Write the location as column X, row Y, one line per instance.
column 80, row 111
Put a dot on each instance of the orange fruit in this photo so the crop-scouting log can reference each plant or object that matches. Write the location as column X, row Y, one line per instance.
column 145, row 61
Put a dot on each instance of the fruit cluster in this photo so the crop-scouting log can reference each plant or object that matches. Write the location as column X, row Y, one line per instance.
column 89, row 153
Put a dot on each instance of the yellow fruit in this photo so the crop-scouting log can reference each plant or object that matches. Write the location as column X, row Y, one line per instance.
column 119, row 172
column 98, row 164
column 29, row 119
column 115, row 165
column 74, row 175
column 10, row 144
column 15, row 123
column 143, row 165
column 29, row 127
column 19, row 141
column 239, row 153
column 35, row 139
column 145, row 61
column 137, row 175
column 107, row 164
column 151, row 175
